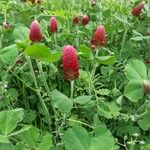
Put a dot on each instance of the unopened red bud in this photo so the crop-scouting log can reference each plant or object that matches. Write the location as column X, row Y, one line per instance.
column 137, row 9
column 85, row 20
column 35, row 34
column 53, row 24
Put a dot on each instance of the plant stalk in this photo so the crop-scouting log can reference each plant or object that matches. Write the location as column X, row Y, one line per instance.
column 72, row 89
column 123, row 40
column 45, row 109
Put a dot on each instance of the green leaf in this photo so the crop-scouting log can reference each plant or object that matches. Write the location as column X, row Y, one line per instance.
column 0, row 44
column 41, row 52
column 106, row 60
column 134, row 90
column 103, row 92
column 146, row 146
column 37, row 51
column 22, row 45
column 46, row 143
column 54, row 57
column 4, row 139
column 82, row 99
column 61, row 101
column 103, row 140
column 104, row 112
column 76, row 138
column 140, row 38
column 119, row 100
column 123, row 20
column 127, row 128
column 146, row 37
column 43, row 26
column 26, row 128
column 144, row 123
column 136, row 33
column 114, row 109
column 12, row 93
column 9, row 120
column 115, row 92
column 109, row 109
column 66, row 35
column 30, row 137
column 9, row 146
column 85, row 51
column 136, row 70
column 9, row 54
column 21, row 33
column 84, row 76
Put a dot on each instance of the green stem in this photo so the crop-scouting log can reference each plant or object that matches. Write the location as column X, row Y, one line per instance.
column 45, row 84
column 59, row 133
column 18, row 58
column 123, row 40
column 80, row 122
column 47, row 4
column 20, row 131
column 45, row 109
column 72, row 89
column 147, row 102
column 43, row 77
column 95, row 65
column 55, row 38
column 27, row 85
column 39, row 64
column 93, row 73
column 5, row 16
column 137, row 117
column 25, row 97
column 132, row 146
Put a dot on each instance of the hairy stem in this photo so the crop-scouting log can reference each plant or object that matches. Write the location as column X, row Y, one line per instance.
column 123, row 39
column 45, row 109
column 72, row 89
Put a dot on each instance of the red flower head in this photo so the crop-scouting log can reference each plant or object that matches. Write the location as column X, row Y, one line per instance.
column 35, row 32
column 137, row 9
column 76, row 20
column 99, row 38
column 53, row 24
column 70, row 63
column 85, row 20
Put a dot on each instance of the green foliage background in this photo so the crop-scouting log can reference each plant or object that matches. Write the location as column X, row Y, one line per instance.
column 108, row 111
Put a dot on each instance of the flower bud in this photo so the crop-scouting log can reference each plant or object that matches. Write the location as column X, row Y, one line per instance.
column 35, row 34
column 53, row 24
column 137, row 9
column 70, row 63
